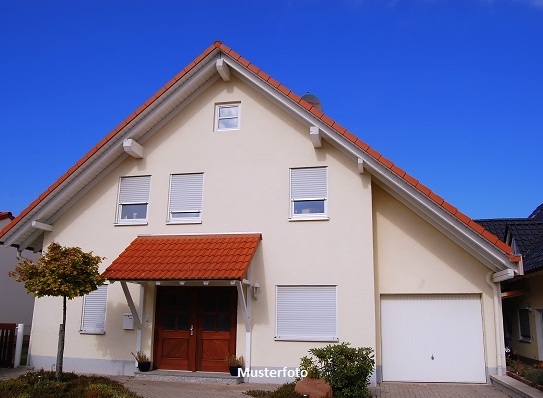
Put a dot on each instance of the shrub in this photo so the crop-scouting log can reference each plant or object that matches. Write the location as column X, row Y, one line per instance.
column 43, row 384
column 346, row 369
column 534, row 375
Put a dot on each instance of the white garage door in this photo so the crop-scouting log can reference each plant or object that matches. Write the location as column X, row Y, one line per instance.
column 432, row 338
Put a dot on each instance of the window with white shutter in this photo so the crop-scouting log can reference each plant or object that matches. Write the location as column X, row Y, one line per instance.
column 185, row 204
column 524, row 324
column 308, row 193
column 133, row 199
column 306, row 313
column 93, row 319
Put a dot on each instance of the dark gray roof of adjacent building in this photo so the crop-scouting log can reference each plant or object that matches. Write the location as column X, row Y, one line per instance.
column 498, row 226
column 527, row 234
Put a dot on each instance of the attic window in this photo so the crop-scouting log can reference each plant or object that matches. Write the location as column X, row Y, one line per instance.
column 227, row 117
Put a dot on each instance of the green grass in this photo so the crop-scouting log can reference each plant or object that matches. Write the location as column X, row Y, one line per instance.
column 43, row 384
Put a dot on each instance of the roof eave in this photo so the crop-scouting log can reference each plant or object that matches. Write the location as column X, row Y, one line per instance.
column 110, row 151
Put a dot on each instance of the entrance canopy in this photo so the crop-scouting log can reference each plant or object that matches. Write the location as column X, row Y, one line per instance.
column 185, row 257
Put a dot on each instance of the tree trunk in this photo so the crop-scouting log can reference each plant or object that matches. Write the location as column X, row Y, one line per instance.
column 61, row 337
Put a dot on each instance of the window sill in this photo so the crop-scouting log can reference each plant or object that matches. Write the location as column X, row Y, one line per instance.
column 314, row 218
column 301, row 338
column 122, row 224
column 90, row 332
column 183, row 222
column 525, row 340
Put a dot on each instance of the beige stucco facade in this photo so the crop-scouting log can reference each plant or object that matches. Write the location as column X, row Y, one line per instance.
column 369, row 246
column 246, row 189
column 529, row 299
column 414, row 258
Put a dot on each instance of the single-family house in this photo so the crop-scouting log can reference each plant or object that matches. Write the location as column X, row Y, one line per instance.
column 236, row 217
column 21, row 304
column 523, row 295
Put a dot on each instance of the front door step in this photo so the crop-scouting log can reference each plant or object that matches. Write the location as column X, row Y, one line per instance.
column 186, row 376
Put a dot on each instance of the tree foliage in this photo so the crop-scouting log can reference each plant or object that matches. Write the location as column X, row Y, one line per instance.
column 61, row 271
column 67, row 272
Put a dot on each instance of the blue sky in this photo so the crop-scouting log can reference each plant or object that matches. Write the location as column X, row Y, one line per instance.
column 449, row 90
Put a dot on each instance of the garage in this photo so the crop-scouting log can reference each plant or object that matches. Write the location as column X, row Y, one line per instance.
column 432, row 338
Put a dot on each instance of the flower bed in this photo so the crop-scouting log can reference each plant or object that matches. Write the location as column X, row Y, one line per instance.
column 530, row 375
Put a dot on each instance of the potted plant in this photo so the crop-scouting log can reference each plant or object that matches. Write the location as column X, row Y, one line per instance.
column 235, row 363
column 144, row 363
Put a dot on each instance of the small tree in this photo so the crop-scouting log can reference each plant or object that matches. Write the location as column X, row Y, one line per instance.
column 66, row 272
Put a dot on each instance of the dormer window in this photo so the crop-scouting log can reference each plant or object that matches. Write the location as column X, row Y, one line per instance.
column 227, row 117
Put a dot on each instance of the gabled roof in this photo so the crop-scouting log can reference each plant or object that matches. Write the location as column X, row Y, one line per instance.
column 181, row 90
column 185, row 257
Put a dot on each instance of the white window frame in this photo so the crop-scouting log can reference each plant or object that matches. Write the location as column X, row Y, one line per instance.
column 522, row 337
column 306, row 313
column 218, row 107
column 315, row 193
column 96, row 315
column 143, row 199
column 189, row 203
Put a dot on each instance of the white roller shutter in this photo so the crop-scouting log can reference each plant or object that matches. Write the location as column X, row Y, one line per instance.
column 432, row 338
column 186, row 193
column 306, row 313
column 134, row 189
column 93, row 320
column 308, row 183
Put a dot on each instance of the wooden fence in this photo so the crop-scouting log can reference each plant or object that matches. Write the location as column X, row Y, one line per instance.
column 7, row 344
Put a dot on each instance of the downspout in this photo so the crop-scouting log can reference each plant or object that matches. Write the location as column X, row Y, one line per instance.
column 249, row 327
column 140, row 315
column 498, row 323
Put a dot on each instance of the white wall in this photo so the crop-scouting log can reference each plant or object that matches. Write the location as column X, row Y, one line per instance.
column 17, row 305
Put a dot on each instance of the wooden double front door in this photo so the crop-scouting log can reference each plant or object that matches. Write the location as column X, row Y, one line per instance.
column 195, row 327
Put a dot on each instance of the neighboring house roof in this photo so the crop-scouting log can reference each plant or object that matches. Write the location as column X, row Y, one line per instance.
column 4, row 215
column 533, row 259
column 525, row 233
column 537, row 213
column 179, row 257
column 497, row 226
column 181, row 90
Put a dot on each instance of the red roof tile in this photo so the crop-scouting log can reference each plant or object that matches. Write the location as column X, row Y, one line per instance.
column 294, row 97
column 185, row 257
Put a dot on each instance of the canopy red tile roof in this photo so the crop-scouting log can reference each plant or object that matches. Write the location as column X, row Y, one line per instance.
column 184, row 257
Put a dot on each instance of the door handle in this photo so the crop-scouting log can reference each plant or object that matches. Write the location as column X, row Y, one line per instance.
column 191, row 330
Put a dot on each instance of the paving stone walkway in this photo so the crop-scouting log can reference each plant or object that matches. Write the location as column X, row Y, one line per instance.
column 161, row 389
